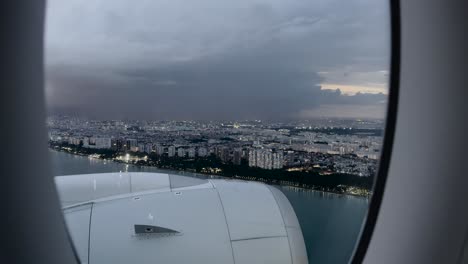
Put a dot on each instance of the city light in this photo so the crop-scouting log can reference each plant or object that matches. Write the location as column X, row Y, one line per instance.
column 271, row 152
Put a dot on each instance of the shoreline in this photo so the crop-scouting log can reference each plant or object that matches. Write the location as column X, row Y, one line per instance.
column 195, row 174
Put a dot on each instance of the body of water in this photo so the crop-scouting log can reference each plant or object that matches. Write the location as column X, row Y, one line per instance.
column 330, row 223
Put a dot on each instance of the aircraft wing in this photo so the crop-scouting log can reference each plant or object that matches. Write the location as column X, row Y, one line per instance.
column 166, row 218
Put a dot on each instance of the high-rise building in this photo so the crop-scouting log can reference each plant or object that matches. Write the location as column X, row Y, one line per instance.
column 252, row 158
column 159, row 150
column 74, row 141
column 191, row 152
column 218, row 150
column 265, row 159
column 237, row 156
column 149, row 148
column 202, row 152
column 223, row 153
column 289, row 158
column 141, row 147
column 171, row 151
column 131, row 143
column 277, row 162
column 97, row 143
column 181, row 152
column 118, row 144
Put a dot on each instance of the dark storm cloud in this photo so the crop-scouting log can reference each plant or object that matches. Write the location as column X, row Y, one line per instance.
column 252, row 85
column 252, row 61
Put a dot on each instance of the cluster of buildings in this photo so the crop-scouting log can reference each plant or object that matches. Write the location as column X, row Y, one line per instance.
column 266, row 159
column 265, row 145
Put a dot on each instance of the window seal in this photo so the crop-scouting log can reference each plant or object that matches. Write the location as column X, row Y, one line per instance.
column 389, row 134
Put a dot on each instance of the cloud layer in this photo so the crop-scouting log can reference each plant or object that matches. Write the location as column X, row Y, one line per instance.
column 215, row 59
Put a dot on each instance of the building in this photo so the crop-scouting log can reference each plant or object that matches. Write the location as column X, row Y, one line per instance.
column 148, row 148
column 159, row 150
column 141, row 147
column 97, row 143
column 289, row 158
column 252, row 158
column 277, row 162
column 55, row 138
column 134, row 149
column 171, row 151
column 202, row 152
column 237, row 156
column 131, row 143
column 223, row 153
column 181, row 152
column 74, row 141
column 118, row 144
column 266, row 159
column 191, row 152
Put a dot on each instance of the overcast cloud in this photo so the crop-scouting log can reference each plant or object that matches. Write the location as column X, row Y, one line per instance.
column 217, row 59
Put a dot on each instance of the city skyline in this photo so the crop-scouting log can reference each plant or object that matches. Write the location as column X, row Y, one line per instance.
column 260, row 144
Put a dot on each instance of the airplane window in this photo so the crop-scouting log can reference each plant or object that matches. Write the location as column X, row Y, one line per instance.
column 216, row 131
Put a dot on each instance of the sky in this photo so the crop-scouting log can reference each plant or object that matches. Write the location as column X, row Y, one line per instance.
column 217, row 59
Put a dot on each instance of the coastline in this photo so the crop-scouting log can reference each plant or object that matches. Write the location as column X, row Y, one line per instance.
column 202, row 175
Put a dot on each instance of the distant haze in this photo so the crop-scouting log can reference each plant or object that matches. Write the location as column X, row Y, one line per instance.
column 217, row 59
